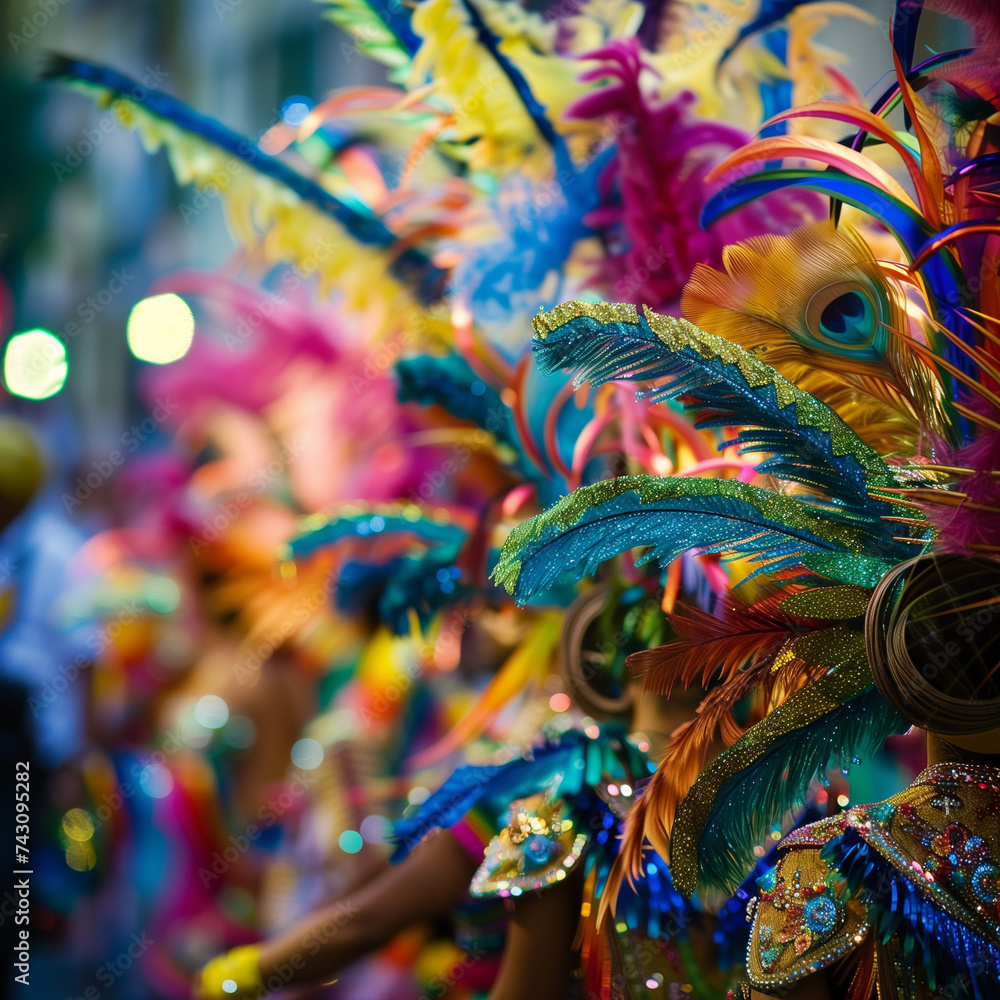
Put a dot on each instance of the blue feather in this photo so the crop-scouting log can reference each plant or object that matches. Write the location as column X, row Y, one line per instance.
column 808, row 441
column 451, row 383
column 559, row 765
column 945, row 278
column 423, row 584
column 905, row 21
column 746, row 807
column 368, row 524
column 653, row 906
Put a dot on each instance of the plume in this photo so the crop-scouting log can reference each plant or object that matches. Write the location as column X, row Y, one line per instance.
column 655, row 185
column 726, row 386
column 383, row 35
column 749, row 787
column 715, row 645
column 451, row 382
column 318, row 532
column 828, row 330
column 290, row 213
column 669, row 515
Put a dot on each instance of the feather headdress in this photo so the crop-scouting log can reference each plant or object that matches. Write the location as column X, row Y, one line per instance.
column 822, row 706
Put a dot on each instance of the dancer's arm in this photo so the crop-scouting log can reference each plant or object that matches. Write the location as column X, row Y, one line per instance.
column 425, row 885
column 538, row 955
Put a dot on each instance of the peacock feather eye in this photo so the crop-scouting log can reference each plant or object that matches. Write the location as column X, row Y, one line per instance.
column 843, row 317
column 846, row 315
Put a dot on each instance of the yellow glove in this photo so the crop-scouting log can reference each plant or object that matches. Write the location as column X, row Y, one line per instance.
column 232, row 976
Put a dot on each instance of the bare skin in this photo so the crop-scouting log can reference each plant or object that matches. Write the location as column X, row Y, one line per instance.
column 429, row 883
column 538, row 954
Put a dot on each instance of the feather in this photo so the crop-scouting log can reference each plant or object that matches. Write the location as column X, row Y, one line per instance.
column 655, row 186
column 975, row 72
column 741, row 794
column 807, row 441
column 536, row 111
column 669, row 515
column 383, row 35
column 207, row 153
column 320, row 532
column 842, row 158
column 715, row 645
column 826, row 331
column 562, row 766
column 451, row 383
column 487, row 67
column 420, row 585
column 972, row 524
column 779, row 665
column 857, row 569
column 947, row 284
column 868, row 123
column 905, row 21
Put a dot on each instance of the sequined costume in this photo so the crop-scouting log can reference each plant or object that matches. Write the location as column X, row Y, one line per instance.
column 557, row 810
column 904, row 892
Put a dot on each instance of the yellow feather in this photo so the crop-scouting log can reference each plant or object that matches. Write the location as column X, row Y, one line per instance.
column 771, row 297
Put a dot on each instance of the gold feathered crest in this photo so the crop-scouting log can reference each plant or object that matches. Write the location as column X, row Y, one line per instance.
column 832, row 318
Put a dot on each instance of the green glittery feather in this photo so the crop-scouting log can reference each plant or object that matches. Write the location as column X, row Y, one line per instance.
column 832, row 603
column 748, row 789
column 849, row 567
column 805, row 440
column 669, row 516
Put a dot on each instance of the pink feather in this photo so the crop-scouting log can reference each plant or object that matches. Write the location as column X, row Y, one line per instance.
column 655, row 187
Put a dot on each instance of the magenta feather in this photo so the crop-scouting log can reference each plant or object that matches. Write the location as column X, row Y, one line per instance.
column 654, row 188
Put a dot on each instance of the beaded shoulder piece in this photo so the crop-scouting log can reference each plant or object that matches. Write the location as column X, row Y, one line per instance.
column 539, row 845
column 803, row 919
column 921, row 870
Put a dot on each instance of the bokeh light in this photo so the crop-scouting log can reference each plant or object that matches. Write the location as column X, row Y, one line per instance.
column 78, row 825
column 376, row 829
column 81, row 857
column 35, row 365
column 418, row 795
column 350, row 842
column 559, row 702
column 211, row 711
column 160, row 329
column 307, row 754
column 156, row 781
column 295, row 110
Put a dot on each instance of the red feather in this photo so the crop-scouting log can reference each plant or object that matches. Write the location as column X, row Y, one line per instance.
column 716, row 646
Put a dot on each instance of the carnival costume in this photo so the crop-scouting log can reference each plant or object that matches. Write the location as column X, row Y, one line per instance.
column 525, row 182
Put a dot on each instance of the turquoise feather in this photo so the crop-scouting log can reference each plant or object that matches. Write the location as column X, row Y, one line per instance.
column 806, row 440
column 669, row 515
column 369, row 524
column 749, row 805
